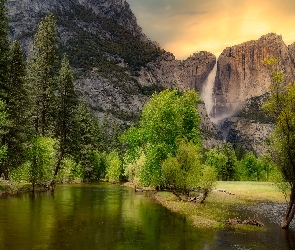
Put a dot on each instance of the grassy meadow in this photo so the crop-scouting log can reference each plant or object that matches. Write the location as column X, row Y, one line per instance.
column 219, row 205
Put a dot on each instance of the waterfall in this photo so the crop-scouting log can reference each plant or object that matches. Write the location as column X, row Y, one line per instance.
column 207, row 90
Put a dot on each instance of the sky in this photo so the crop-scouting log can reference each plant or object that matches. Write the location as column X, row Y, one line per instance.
column 184, row 27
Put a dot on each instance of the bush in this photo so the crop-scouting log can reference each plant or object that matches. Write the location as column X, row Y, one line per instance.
column 132, row 171
column 185, row 172
column 114, row 171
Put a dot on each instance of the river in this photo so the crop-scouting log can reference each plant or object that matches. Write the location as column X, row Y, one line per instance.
column 104, row 216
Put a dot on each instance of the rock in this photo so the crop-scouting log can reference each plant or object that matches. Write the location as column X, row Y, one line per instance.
column 237, row 221
column 171, row 73
column 241, row 74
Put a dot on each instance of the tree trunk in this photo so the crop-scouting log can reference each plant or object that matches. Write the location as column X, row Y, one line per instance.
column 290, row 212
column 204, row 196
column 57, row 165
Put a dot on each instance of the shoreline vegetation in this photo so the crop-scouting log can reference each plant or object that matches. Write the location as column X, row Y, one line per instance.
column 221, row 208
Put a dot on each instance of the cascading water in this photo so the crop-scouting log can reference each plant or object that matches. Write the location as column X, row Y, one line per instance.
column 207, row 91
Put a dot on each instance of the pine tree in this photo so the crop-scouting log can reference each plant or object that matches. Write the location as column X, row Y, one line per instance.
column 4, row 48
column 67, row 104
column 42, row 72
column 86, row 137
column 17, row 106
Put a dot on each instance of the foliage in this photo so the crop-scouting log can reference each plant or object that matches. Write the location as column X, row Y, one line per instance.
column 215, row 158
column 70, row 171
column 4, row 48
column 280, row 106
column 185, row 171
column 85, row 138
column 67, row 102
column 228, row 169
column 97, row 166
column 38, row 167
column 42, row 73
column 114, row 170
column 18, row 107
column 90, row 52
column 167, row 118
column 133, row 171
column 249, row 169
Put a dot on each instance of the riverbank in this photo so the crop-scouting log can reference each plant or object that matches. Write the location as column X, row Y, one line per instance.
column 8, row 187
column 222, row 204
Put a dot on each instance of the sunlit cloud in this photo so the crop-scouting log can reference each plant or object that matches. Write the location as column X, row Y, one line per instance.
column 184, row 27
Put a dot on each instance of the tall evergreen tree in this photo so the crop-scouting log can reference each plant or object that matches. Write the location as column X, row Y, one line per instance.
column 67, row 104
column 86, row 137
column 3, row 147
column 17, row 107
column 4, row 48
column 42, row 75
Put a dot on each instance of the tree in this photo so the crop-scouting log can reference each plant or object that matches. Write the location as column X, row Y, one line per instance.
column 40, row 158
column 42, row 74
column 114, row 170
column 185, row 171
column 3, row 121
column 166, row 119
column 85, row 138
column 218, row 160
column 249, row 168
column 4, row 48
column 228, row 169
column 67, row 104
column 18, row 106
column 281, row 107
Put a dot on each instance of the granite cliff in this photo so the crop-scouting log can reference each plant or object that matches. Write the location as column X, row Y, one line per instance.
column 241, row 74
column 241, row 88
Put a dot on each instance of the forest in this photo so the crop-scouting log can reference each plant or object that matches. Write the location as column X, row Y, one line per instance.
column 49, row 135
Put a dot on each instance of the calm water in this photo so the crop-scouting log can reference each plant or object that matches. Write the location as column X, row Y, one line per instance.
column 103, row 216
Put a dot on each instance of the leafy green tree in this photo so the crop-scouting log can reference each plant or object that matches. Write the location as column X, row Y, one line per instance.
column 114, row 170
column 249, row 168
column 267, row 166
column 281, row 107
column 185, row 171
column 42, row 74
column 218, row 160
column 167, row 118
column 67, row 101
column 38, row 168
column 228, row 170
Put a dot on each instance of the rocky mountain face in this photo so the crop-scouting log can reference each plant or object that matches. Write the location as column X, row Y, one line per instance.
column 171, row 73
column 117, row 67
column 241, row 88
column 25, row 15
column 241, row 74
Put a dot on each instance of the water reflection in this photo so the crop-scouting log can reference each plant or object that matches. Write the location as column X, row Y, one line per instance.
column 103, row 216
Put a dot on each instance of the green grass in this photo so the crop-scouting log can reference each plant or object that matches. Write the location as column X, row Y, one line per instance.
column 219, row 206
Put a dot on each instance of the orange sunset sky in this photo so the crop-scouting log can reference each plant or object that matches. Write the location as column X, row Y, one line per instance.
column 187, row 26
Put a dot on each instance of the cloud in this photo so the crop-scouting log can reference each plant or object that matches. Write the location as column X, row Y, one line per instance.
column 184, row 27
